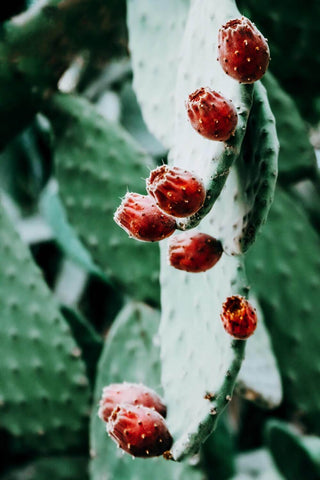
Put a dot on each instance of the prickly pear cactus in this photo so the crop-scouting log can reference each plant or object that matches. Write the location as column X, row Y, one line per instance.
column 68, row 60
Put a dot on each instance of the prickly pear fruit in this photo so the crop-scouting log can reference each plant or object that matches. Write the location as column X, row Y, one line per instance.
column 139, row 430
column 211, row 114
column 243, row 52
column 176, row 191
column 239, row 318
column 194, row 252
column 140, row 217
column 129, row 393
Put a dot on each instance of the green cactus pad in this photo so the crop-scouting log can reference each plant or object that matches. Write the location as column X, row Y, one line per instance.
column 297, row 456
column 200, row 361
column 284, row 269
column 155, row 34
column 297, row 159
column 259, row 378
column 44, row 390
column 96, row 162
column 53, row 468
column 87, row 339
column 245, row 201
column 131, row 353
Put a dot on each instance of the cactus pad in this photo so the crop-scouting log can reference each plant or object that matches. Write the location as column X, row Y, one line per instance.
column 43, row 386
column 96, row 162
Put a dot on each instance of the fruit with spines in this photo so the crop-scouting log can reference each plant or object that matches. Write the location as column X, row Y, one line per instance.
column 194, row 252
column 129, row 393
column 176, row 191
column 139, row 431
column 239, row 318
column 140, row 217
column 211, row 114
column 243, row 52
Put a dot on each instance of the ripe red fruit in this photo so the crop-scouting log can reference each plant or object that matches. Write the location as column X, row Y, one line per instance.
column 176, row 191
column 243, row 52
column 211, row 114
column 139, row 430
column 239, row 318
column 129, row 393
column 140, row 217
column 194, row 252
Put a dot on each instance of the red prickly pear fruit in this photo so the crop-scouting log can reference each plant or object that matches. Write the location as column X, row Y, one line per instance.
column 194, row 252
column 243, row 51
column 129, row 393
column 211, row 114
column 140, row 217
column 239, row 318
column 176, row 191
column 139, row 430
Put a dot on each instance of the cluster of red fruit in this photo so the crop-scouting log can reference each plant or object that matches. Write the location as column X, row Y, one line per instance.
column 135, row 418
column 174, row 192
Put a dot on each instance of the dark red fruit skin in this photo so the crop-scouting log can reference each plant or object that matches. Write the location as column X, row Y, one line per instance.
column 139, row 430
column 211, row 114
column 194, row 252
column 129, row 393
column 239, row 318
column 243, row 52
column 140, row 217
column 176, row 191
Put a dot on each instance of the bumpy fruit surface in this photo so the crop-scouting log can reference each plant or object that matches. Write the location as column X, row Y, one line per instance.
column 139, row 430
column 211, row 114
column 194, row 252
column 239, row 318
column 140, row 217
column 129, row 393
column 176, row 191
column 242, row 50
